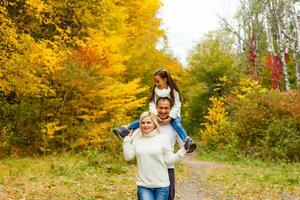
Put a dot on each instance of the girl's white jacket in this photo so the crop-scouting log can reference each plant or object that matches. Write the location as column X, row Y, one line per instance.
column 175, row 110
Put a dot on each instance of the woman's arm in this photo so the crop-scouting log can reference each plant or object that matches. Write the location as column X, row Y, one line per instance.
column 170, row 157
column 128, row 147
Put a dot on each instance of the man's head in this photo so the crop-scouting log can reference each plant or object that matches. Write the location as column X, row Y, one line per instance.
column 163, row 107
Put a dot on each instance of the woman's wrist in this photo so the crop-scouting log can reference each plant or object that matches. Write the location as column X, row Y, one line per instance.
column 127, row 139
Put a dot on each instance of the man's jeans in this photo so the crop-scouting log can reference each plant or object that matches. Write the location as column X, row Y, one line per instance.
column 153, row 193
column 171, row 173
column 176, row 124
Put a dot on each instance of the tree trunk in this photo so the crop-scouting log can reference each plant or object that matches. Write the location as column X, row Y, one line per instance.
column 271, row 48
column 282, row 51
column 296, row 45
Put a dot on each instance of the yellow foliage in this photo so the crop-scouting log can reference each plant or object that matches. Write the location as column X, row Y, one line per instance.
column 217, row 128
column 213, row 131
column 28, row 73
column 49, row 129
column 65, row 65
column 248, row 86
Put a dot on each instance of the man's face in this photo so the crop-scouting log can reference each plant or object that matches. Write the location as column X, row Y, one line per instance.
column 163, row 108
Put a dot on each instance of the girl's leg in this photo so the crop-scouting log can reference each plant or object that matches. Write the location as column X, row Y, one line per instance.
column 134, row 125
column 122, row 132
column 176, row 123
column 145, row 193
column 161, row 193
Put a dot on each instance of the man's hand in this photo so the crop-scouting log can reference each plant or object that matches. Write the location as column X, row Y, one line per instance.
column 164, row 121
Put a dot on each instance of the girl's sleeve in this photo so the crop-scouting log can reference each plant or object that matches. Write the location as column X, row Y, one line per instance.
column 177, row 106
column 170, row 157
column 152, row 107
column 128, row 148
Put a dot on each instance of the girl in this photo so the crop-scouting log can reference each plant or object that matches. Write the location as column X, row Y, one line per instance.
column 164, row 87
column 153, row 153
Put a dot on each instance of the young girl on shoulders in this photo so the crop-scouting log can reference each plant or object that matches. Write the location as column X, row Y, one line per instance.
column 164, row 87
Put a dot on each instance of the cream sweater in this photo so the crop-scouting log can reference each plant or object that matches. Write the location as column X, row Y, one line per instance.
column 153, row 153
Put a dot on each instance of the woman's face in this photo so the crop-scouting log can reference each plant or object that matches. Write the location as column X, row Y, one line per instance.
column 160, row 82
column 147, row 125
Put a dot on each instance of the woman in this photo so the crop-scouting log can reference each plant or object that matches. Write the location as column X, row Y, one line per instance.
column 153, row 153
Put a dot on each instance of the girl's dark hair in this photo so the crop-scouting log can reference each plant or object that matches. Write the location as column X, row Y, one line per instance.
column 165, row 75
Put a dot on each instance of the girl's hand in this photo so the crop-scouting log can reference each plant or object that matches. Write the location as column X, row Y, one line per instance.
column 159, row 119
column 165, row 121
column 130, row 133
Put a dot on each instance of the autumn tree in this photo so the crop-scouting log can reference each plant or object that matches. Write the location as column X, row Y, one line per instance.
column 211, row 69
column 268, row 30
column 65, row 70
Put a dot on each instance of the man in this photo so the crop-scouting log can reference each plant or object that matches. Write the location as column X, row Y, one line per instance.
column 163, row 107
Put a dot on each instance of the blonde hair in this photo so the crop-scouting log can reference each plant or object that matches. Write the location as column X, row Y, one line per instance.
column 152, row 117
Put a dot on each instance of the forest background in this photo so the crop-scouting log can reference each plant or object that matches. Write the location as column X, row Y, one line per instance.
column 72, row 70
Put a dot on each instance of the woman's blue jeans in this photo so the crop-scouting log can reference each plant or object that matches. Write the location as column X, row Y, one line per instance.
column 153, row 193
column 176, row 124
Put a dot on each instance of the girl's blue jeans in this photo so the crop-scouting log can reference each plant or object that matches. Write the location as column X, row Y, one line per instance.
column 153, row 193
column 176, row 124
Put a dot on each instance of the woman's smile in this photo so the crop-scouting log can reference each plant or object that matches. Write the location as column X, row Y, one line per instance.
column 147, row 125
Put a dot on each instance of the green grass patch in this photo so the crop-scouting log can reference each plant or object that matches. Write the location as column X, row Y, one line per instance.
column 240, row 176
column 87, row 175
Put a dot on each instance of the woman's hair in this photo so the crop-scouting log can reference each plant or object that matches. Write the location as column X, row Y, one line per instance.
column 162, row 73
column 153, row 119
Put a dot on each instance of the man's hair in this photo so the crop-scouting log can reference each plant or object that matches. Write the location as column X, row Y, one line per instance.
column 164, row 98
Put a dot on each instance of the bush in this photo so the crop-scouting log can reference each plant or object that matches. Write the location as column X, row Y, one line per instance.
column 281, row 140
column 267, row 125
column 258, row 123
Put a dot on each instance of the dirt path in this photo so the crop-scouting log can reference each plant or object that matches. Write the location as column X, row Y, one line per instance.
column 193, row 187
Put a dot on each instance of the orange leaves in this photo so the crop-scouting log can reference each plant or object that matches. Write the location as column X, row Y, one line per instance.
column 87, row 56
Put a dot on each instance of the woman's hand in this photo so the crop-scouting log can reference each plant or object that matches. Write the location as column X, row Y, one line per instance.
column 130, row 133
column 125, row 126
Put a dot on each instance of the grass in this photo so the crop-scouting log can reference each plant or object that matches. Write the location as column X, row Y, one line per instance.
column 246, row 178
column 98, row 175
column 85, row 176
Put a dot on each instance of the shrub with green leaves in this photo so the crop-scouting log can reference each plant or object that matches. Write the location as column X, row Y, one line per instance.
column 267, row 126
column 263, row 124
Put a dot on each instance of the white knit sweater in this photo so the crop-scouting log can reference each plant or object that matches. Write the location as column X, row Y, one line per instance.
column 153, row 153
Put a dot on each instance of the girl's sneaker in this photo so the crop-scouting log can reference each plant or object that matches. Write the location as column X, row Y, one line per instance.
column 189, row 145
column 121, row 132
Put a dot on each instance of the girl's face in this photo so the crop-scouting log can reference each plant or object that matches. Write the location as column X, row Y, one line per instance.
column 147, row 125
column 160, row 83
